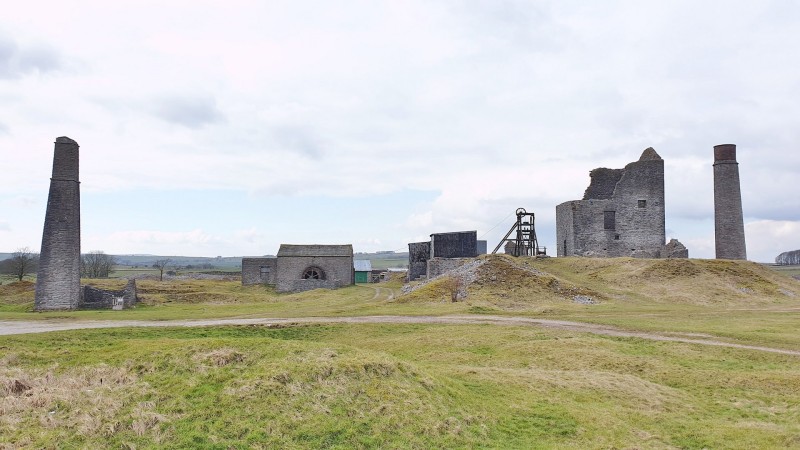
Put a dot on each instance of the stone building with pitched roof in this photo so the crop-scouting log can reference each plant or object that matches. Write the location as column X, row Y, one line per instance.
column 302, row 268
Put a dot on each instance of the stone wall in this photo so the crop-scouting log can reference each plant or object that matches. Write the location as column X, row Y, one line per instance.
column 418, row 255
column 482, row 247
column 259, row 271
column 337, row 270
column 95, row 298
column 461, row 244
column 728, row 217
column 306, row 285
column 565, row 229
column 629, row 222
column 602, row 184
column 439, row 266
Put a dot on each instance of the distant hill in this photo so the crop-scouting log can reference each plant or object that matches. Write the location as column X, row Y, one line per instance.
column 379, row 260
column 384, row 260
column 219, row 262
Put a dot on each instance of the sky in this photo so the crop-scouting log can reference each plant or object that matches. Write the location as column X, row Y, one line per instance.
column 212, row 128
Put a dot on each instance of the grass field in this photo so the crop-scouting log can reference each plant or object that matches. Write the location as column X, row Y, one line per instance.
column 420, row 386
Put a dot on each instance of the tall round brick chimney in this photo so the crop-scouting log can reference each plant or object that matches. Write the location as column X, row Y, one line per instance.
column 58, row 280
column 728, row 217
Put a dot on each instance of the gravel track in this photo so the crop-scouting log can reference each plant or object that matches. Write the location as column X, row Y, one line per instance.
column 23, row 327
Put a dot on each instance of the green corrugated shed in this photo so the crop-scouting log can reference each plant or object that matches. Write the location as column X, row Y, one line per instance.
column 362, row 277
column 363, row 270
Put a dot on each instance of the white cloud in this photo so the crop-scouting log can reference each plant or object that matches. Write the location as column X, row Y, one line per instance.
column 766, row 239
column 193, row 242
column 17, row 60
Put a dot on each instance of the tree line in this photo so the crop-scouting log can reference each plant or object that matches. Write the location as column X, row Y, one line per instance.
column 23, row 261
column 788, row 258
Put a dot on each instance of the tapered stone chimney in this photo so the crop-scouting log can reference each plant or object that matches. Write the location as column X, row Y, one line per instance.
column 59, row 275
column 728, row 217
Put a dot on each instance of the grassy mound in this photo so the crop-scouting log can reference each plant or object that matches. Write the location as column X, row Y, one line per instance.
column 17, row 296
column 388, row 386
column 513, row 283
column 248, row 385
column 509, row 283
column 683, row 281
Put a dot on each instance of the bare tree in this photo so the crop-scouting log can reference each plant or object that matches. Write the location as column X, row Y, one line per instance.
column 161, row 264
column 22, row 262
column 97, row 264
column 455, row 286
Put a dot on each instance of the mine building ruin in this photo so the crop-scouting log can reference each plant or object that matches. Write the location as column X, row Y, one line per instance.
column 444, row 252
column 621, row 214
column 302, row 268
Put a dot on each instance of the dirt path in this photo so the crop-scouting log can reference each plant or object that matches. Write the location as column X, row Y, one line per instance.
column 378, row 293
column 23, row 327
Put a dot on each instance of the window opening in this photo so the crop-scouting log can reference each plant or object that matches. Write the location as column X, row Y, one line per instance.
column 642, row 203
column 609, row 220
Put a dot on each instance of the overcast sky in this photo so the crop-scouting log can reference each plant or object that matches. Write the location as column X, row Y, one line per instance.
column 226, row 128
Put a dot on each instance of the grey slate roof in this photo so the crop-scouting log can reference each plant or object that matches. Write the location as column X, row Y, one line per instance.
column 315, row 250
column 362, row 265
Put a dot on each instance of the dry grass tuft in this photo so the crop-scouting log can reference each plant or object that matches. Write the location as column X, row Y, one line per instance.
column 17, row 287
column 89, row 400
column 145, row 419
column 221, row 357
column 16, row 387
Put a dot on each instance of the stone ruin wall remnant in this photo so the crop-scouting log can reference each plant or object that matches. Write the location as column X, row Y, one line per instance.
column 96, row 298
column 259, row 271
column 621, row 214
column 418, row 255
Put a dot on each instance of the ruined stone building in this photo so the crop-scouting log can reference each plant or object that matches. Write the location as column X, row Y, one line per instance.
column 418, row 255
column 58, row 279
column 302, row 267
column 728, row 217
column 621, row 214
column 96, row 298
column 445, row 251
column 259, row 271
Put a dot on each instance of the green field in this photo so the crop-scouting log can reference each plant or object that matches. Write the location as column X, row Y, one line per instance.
column 421, row 386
